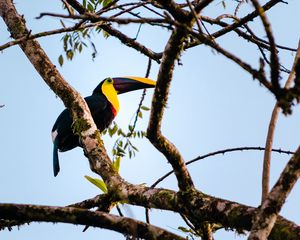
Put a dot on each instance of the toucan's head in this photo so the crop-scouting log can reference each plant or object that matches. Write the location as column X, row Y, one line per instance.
column 123, row 84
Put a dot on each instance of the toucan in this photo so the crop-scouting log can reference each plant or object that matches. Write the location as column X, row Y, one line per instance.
column 104, row 106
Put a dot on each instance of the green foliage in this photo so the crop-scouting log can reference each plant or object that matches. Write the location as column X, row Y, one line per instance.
column 123, row 145
column 198, row 233
column 116, row 163
column 74, row 43
column 98, row 183
column 95, row 5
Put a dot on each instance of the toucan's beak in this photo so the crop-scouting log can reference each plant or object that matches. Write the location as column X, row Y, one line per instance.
column 127, row 84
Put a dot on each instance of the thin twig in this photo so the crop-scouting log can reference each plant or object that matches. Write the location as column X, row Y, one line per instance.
column 263, row 43
column 194, row 15
column 282, row 68
column 141, row 101
column 248, row 17
column 94, row 17
column 275, row 74
column 218, row 153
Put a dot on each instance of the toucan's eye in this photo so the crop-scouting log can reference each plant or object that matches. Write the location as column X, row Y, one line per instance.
column 109, row 80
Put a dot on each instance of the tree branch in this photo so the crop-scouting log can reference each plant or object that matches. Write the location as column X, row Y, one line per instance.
column 248, row 17
column 219, row 152
column 159, row 101
column 273, row 57
column 174, row 9
column 95, row 18
column 271, row 133
column 85, row 217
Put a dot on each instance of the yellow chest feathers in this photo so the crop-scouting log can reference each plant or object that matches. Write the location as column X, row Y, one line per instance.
column 111, row 94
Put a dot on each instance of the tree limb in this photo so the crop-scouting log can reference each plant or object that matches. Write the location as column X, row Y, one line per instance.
column 271, row 133
column 85, row 217
column 273, row 56
column 159, row 101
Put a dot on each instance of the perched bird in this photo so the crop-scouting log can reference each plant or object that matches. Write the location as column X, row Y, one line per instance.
column 104, row 106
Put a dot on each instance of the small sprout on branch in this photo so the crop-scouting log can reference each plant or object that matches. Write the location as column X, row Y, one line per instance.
column 98, row 183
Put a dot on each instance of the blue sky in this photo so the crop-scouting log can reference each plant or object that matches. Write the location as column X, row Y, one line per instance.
column 213, row 105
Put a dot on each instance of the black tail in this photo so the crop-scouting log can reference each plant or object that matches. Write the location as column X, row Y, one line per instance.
column 55, row 159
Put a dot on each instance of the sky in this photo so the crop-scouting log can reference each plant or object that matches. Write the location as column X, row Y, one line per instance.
column 213, row 105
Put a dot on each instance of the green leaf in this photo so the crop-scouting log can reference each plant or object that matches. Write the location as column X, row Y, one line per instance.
column 114, row 129
column 105, row 34
column 80, row 48
column 98, row 183
column 135, row 148
column 61, row 60
column 145, row 108
column 183, row 229
column 140, row 114
column 90, row 7
column 70, row 54
column 116, row 163
column 130, row 153
column 84, row 3
column 120, row 151
column 106, row 2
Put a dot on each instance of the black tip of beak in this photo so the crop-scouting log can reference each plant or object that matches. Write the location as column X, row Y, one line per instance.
column 127, row 84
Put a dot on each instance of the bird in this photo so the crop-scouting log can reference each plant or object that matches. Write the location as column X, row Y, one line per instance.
column 103, row 105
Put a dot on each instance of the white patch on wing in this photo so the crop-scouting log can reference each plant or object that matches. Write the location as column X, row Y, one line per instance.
column 54, row 135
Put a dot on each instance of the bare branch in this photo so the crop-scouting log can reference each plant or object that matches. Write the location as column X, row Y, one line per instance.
column 271, row 133
column 249, row 17
column 159, row 101
column 219, row 152
column 273, row 57
column 174, row 9
column 93, row 17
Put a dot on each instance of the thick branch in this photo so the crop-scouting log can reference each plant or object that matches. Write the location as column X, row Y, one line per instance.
column 159, row 101
column 84, row 217
column 199, row 207
column 174, row 9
